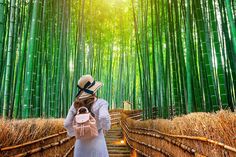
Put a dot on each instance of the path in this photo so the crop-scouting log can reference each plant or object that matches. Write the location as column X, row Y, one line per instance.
column 114, row 143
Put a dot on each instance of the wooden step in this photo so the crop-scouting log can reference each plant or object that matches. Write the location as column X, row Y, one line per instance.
column 114, row 136
column 114, row 133
column 114, row 139
column 114, row 145
column 118, row 148
column 120, row 145
column 119, row 155
column 112, row 151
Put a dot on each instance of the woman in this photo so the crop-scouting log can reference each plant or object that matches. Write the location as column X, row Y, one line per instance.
column 95, row 147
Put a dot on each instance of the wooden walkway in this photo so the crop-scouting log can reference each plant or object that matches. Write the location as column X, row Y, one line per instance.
column 115, row 144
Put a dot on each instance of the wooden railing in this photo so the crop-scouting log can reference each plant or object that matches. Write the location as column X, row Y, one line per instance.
column 150, row 142
column 36, row 146
column 143, row 139
column 116, row 116
column 41, row 140
column 48, row 142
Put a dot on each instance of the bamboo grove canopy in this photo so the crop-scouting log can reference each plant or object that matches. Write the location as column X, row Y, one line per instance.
column 176, row 55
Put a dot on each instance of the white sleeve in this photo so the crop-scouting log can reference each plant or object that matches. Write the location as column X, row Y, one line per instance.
column 68, row 123
column 104, row 116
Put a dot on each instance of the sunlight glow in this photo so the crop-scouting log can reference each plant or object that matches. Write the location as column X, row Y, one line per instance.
column 71, row 66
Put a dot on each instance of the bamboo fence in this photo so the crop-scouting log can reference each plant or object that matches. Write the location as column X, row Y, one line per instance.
column 152, row 142
column 142, row 136
column 46, row 146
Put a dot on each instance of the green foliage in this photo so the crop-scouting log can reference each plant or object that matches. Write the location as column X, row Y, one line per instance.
column 174, row 55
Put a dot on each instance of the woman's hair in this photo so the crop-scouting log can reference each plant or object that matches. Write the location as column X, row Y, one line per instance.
column 88, row 103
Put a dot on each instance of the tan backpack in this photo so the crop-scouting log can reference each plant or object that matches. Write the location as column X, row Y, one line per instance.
column 85, row 125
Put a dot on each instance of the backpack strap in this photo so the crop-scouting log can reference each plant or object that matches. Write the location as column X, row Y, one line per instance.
column 87, row 111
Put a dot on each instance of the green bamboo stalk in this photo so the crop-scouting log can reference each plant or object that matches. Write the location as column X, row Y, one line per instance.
column 44, row 86
column 50, row 62
column 197, row 96
column 210, row 88
column 188, row 58
column 2, row 37
column 21, row 66
column 29, row 68
column 160, row 56
column 220, row 72
column 231, row 23
column 9, row 61
column 18, row 32
column 110, row 75
column 153, row 58
column 177, row 59
column 38, row 78
column 60, row 64
column 134, row 82
column 231, row 81
column 169, row 37
column 138, row 49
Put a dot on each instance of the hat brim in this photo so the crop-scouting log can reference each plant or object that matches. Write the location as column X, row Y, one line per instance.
column 94, row 88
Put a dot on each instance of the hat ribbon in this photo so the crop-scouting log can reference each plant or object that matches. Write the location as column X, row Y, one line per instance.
column 87, row 85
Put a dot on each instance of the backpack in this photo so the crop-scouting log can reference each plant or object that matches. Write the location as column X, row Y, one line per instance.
column 85, row 125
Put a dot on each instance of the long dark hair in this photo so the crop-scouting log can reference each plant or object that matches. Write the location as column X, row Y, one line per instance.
column 87, row 102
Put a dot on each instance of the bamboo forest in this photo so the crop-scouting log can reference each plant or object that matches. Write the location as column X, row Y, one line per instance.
column 168, row 67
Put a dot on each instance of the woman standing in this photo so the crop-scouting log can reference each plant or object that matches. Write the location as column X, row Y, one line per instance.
column 86, row 97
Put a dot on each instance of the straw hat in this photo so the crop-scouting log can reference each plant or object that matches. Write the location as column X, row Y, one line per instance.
column 87, row 86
